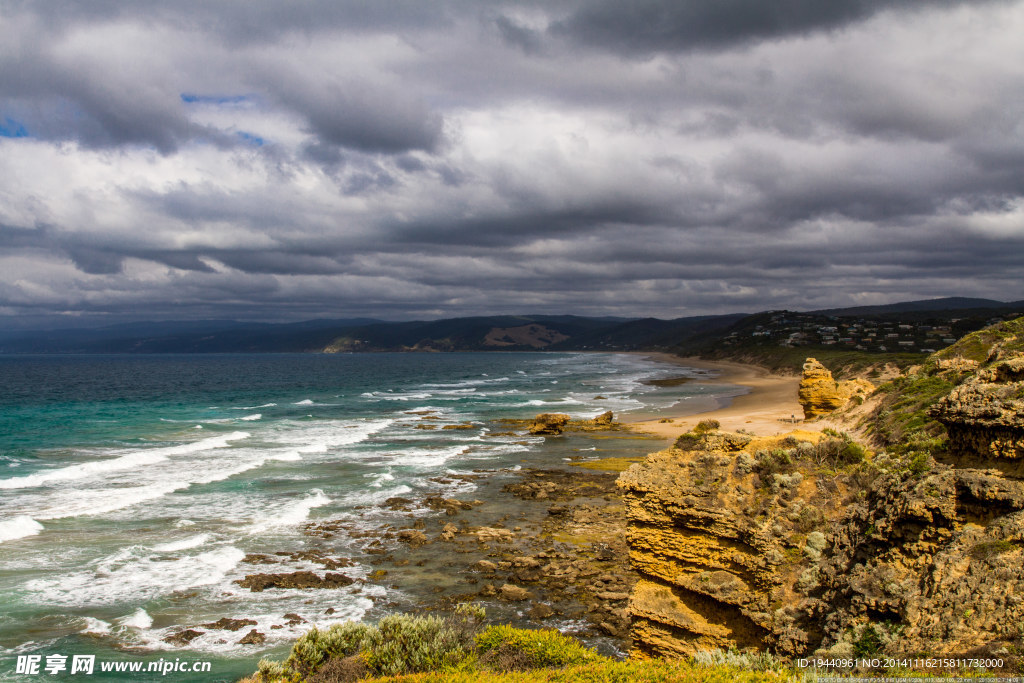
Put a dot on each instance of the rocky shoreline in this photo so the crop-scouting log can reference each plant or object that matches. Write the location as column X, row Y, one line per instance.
column 547, row 548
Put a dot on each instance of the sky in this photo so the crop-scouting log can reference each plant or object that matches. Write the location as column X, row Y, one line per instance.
column 402, row 159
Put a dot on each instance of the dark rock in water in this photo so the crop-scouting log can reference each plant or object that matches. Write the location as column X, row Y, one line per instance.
column 397, row 503
column 541, row 611
column 414, row 537
column 549, row 424
column 225, row 624
column 337, row 580
column 253, row 637
column 514, row 593
column 300, row 579
column 294, row 619
column 183, row 637
column 451, row 506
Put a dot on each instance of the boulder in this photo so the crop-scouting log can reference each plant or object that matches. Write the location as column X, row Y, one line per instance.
column 301, row 579
column 253, row 637
column 514, row 593
column 414, row 537
column 183, row 637
column 549, row 424
column 821, row 394
column 225, row 624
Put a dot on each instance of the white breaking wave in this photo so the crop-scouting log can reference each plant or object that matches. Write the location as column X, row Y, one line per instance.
column 376, row 496
column 184, row 544
column 158, row 480
column 250, row 418
column 379, row 478
column 95, row 626
column 138, row 619
column 132, row 575
column 291, row 514
column 19, row 527
column 132, row 460
column 305, row 402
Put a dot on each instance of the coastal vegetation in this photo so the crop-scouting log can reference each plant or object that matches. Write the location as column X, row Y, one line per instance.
column 459, row 648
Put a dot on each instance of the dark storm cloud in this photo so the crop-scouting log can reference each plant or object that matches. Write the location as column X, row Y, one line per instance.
column 243, row 21
column 646, row 26
column 362, row 116
column 264, row 160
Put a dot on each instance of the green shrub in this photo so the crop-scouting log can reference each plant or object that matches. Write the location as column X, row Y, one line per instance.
column 776, row 461
column 749, row 661
column 868, row 643
column 919, row 463
column 990, row 549
column 687, row 441
column 315, row 647
column 270, row 670
column 705, row 426
column 508, row 648
column 398, row 644
column 406, row 644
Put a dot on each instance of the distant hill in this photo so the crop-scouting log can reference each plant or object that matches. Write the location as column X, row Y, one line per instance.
column 909, row 327
column 483, row 333
column 925, row 305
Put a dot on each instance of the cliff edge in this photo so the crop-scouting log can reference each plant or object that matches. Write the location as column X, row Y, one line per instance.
column 813, row 543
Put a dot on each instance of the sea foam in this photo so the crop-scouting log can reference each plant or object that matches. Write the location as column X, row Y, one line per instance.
column 132, row 460
column 19, row 527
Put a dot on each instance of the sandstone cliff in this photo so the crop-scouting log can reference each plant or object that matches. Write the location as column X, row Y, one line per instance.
column 805, row 544
column 821, row 394
column 716, row 534
column 984, row 416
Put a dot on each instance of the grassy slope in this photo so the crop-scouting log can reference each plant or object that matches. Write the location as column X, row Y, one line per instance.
column 901, row 421
column 653, row 671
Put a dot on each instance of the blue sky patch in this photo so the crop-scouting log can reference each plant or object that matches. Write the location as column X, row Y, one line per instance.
column 251, row 138
column 12, row 129
column 192, row 98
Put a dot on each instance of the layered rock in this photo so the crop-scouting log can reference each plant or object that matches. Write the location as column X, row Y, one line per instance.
column 715, row 548
column 821, row 394
column 549, row 424
column 779, row 545
column 928, row 564
column 984, row 416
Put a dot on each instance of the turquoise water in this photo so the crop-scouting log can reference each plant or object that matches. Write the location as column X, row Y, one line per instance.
column 131, row 487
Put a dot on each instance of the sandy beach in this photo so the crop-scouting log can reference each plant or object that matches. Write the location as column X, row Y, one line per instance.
column 770, row 407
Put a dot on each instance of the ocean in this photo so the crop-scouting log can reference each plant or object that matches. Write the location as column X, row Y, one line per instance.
column 133, row 487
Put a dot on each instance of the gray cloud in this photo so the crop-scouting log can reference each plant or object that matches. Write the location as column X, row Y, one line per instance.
column 239, row 160
column 647, row 26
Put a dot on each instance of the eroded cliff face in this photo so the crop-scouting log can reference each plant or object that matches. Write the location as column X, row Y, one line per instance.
column 717, row 536
column 806, row 544
column 984, row 416
column 821, row 394
column 795, row 547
